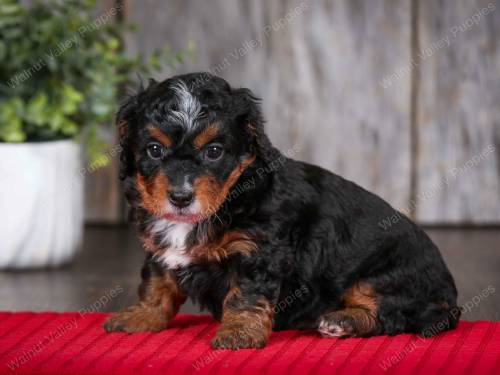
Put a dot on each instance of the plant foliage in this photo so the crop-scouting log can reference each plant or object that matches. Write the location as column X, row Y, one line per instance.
column 62, row 66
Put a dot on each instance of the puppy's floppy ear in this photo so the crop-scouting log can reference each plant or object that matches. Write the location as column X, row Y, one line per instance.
column 126, row 119
column 249, row 116
column 124, row 122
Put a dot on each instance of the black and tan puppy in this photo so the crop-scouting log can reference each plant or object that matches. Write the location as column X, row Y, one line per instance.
column 260, row 240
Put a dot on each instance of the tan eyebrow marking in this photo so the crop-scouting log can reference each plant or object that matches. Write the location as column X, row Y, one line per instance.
column 165, row 139
column 206, row 135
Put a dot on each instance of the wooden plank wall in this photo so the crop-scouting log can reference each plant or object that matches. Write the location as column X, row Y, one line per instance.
column 103, row 195
column 366, row 88
column 458, row 112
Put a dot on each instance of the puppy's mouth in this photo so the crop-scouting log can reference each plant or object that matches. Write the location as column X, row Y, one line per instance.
column 183, row 217
column 191, row 213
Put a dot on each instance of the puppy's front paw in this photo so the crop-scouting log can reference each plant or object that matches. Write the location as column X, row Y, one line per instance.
column 136, row 319
column 238, row 337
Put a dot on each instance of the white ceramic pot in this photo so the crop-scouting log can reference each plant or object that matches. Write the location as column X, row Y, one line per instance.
column 41, row 203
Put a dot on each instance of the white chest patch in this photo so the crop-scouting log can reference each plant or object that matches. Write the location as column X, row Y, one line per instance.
column 174, row 236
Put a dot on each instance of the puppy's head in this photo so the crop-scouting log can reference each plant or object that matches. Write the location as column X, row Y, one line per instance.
column 186, row 141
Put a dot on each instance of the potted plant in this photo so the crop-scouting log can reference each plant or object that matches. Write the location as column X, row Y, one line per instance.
column 61, row 68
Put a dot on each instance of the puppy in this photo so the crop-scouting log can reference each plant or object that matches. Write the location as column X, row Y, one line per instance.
column 262, row 241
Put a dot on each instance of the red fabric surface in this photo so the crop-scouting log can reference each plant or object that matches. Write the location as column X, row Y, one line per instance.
column 70, row 343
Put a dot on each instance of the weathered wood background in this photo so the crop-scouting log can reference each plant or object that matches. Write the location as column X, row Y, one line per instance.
column 400, row 96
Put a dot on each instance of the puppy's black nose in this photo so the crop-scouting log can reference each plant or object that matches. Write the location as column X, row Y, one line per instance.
column 181, row 198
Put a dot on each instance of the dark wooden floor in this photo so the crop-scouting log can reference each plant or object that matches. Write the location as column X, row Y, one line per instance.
column 105, row 274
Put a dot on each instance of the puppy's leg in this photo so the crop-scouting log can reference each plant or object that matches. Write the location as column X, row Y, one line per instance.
column 247, row 321
column 358, row 318
column 159, row 300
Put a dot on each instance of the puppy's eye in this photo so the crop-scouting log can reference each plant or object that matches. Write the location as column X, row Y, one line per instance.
column 213, row 152
column 155, row 151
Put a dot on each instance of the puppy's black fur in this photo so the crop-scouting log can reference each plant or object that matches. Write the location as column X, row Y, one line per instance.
column 265, row 241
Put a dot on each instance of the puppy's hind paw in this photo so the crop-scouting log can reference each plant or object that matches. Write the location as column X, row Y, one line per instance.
column 336, row 325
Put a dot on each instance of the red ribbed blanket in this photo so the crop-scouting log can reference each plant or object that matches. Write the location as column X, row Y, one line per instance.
column 70, row 343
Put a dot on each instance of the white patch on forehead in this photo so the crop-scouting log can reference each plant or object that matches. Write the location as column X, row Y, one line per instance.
column 173, row 237
column 189, row 108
